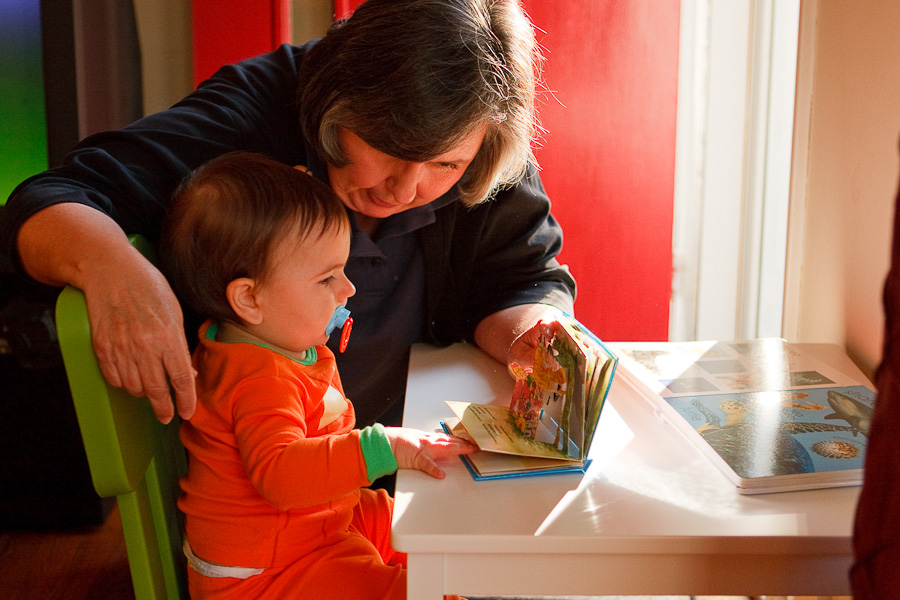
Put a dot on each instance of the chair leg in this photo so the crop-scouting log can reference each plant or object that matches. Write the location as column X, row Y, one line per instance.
column 162, row 481
column 137, row 526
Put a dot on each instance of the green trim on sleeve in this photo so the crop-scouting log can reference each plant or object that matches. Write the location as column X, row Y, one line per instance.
column 376, row 450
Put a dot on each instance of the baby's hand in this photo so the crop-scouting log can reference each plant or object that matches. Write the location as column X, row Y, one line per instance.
column 414, row 449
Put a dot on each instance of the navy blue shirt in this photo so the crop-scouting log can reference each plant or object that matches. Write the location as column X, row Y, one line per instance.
column 387, row 310
column 430, row 274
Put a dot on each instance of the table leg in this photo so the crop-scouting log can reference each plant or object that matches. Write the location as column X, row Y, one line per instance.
column 425, row 576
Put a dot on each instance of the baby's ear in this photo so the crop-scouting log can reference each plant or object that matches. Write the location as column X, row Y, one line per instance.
column 303, row 169
column 241, row 294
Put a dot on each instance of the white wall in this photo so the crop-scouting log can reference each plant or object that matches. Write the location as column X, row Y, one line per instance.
column 845, row 174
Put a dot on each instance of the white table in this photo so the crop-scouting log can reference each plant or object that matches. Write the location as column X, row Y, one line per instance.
column 651, row 515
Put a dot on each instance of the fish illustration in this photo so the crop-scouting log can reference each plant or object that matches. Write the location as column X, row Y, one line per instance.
column 806, row 405
column 794, row 428
column 737, row 445
column 854, row 412
column 737, row 440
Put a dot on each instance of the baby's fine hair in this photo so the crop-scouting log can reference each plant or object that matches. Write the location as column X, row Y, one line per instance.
column 226, row 218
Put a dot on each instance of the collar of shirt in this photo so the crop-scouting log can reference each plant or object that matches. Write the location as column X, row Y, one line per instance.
column 395, row 226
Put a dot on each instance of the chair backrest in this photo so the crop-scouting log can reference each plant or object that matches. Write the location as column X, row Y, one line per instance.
column 132, row 456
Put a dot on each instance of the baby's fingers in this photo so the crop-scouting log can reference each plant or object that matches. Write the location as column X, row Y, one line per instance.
column 425, row 464
column 450, row 445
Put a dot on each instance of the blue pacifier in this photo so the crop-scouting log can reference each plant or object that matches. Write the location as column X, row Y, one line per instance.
column 341, row 318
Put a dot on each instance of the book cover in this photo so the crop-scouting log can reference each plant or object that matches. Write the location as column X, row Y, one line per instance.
column 548, row 424
column 769, row 415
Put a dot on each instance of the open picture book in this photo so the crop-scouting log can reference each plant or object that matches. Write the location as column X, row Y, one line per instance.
column 769, row 415
column 549, row 422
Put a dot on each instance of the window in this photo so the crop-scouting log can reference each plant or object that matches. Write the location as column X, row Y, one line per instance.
column 737, row 71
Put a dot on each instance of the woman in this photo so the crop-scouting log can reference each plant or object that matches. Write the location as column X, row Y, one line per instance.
column 418, row 113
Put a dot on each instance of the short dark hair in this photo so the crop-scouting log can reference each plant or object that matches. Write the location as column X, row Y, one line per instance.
column 227, row 216
column 415, row 78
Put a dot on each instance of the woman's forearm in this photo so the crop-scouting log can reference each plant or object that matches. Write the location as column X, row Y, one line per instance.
column 136, row 323
column 67, row 244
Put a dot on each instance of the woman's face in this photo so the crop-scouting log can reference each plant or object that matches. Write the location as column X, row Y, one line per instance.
column 379, row 185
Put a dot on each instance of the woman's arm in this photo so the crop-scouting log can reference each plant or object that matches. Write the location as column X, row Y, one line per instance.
column 492, row 270
column 68, row 225
column 136, row 321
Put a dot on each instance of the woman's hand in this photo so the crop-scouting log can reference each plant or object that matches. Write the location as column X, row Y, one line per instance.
column 521, row 351
column 510, row 335
column 136, row 322
column 138, row 335
column 414, row 449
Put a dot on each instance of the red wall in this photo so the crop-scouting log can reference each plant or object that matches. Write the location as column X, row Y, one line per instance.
column 608, row 156
column 343, row 8
column 227, row 31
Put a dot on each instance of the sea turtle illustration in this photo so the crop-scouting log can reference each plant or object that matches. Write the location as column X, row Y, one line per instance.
column 737, row 442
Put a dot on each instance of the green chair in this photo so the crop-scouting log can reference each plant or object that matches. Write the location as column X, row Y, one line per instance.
column 132, row 456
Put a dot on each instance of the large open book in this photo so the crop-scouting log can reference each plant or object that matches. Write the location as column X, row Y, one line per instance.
column 549, row 423
column 770, row 416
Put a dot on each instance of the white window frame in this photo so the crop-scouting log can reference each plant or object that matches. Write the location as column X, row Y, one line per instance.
column 736, row 89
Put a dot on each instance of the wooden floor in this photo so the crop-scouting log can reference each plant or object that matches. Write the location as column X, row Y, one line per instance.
column 80, row 564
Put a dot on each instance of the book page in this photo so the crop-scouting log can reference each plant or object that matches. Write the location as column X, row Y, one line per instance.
column 554, row 409
column 765, row 409
column 493, row 430
column 494, row 464
column 568, row 416
column 773, row 433
column 697, row 368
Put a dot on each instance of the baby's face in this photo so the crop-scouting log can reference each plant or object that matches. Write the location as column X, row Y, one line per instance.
column 305, row 285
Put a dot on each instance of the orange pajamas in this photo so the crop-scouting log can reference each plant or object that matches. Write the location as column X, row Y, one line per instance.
column 359, row 564
column 274, row 476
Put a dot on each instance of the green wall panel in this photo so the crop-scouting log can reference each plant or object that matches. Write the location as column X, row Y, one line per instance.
column 23, row 127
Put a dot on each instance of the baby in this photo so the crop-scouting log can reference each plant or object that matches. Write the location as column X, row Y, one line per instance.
column 275, row 500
